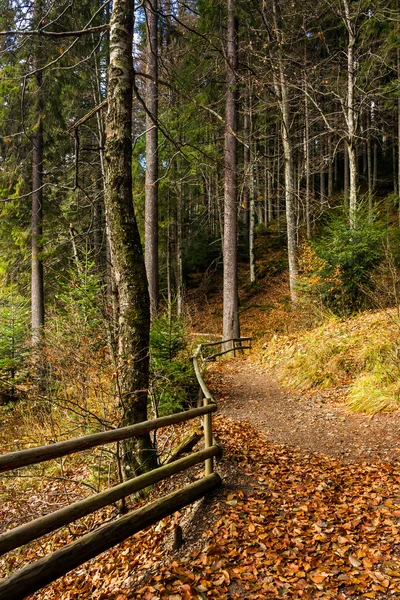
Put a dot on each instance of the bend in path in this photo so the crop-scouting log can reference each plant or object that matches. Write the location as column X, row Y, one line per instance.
column 246, row 392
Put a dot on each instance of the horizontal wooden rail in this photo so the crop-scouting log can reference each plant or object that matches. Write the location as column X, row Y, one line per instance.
column 23, row 534
column 242, row 339
column 31, row 456
column 33, row 577
column 233, row 349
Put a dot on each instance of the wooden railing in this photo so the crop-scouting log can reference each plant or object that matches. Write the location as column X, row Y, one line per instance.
column 34, row 576
column 199, row 361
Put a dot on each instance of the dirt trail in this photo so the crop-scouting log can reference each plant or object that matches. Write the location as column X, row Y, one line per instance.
column 316, row 423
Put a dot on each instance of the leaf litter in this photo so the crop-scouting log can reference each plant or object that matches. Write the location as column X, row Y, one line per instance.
column 287, row 523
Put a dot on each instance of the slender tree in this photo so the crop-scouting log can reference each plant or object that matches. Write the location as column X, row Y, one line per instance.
column 127, row 255
column 37, row 284
column 282, row 90
column 231, row 328
column 151, row 203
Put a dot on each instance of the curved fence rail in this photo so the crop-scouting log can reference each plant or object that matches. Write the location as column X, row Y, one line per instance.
column 34, row 576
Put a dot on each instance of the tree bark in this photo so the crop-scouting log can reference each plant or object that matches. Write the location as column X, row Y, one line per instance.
column 282, row 92
column 127, row 254
column 151, row 203
column 179, row 253
column 246, row 167
column 231, row 328
column 307, row 166
column 350, row 115
column 369, row 160
column 37, row 280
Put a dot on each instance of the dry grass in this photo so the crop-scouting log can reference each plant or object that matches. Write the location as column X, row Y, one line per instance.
column 360, row 352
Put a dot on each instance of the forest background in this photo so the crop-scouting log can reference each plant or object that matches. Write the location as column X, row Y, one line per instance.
column 258, row 128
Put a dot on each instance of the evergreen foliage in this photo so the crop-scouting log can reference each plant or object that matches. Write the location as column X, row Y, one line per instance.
column 173, row 382
column 14, row 315
column 345, row 258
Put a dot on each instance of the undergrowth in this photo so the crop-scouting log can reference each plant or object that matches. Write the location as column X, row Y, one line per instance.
column 360, row 353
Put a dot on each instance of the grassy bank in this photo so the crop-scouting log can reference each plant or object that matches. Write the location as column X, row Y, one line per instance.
column 361, row 352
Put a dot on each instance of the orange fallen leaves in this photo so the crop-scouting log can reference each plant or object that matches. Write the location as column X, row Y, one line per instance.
column 288, row 524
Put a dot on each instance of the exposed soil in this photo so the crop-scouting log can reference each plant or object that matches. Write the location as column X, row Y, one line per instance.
column 313, row 422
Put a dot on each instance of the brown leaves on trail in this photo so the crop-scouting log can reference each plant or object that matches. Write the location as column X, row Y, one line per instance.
column 297, row 526
column 286, row 524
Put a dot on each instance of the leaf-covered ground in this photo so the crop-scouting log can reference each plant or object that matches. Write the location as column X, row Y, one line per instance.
column 287, row 523
column 297, row 525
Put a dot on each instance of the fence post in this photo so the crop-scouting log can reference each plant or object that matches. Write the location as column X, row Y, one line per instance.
column 208, row 441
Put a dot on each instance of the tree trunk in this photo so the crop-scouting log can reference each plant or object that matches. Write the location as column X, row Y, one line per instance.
column 350, row 116
column 252, row 209
column 353, row 185
column 282, row 92
column 127, row 254
column 179, row 253
column 151, row 204
column 37, row 282
column 231, row 327
column 369, row 161
column 246, row 175
column 307, row 163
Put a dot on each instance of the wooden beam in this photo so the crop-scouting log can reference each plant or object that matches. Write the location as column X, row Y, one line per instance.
column 201, row 381
column 226, row 351
column 35, row 576
column 31, row 531
column 31, row 456
column 241, row 339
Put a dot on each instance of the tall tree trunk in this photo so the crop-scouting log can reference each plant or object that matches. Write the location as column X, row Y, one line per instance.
column 369, row 161
column 37, row 282
column 246, row 167
column 350, row 115
column 252, row 211
column 307, row 161
column 289, row 189
column 151, row 203
column 231, row 327
column 127, row 254
column 179, row 252
column 282, row 92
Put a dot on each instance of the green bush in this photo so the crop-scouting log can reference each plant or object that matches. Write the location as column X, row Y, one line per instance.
column 14, row 313
column 341, row 275
column 173, row 382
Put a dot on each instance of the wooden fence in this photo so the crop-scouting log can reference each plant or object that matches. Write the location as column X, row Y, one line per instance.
column 35, row 576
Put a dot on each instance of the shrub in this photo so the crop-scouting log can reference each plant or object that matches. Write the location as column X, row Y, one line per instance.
column 14, row 313
column 338, row 267
column 173, row 382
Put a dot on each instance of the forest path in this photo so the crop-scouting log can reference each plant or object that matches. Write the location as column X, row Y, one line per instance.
column 316, row 422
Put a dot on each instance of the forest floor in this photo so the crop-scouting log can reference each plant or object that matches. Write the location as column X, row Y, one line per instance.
column 309, row 507
column 293, row 519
